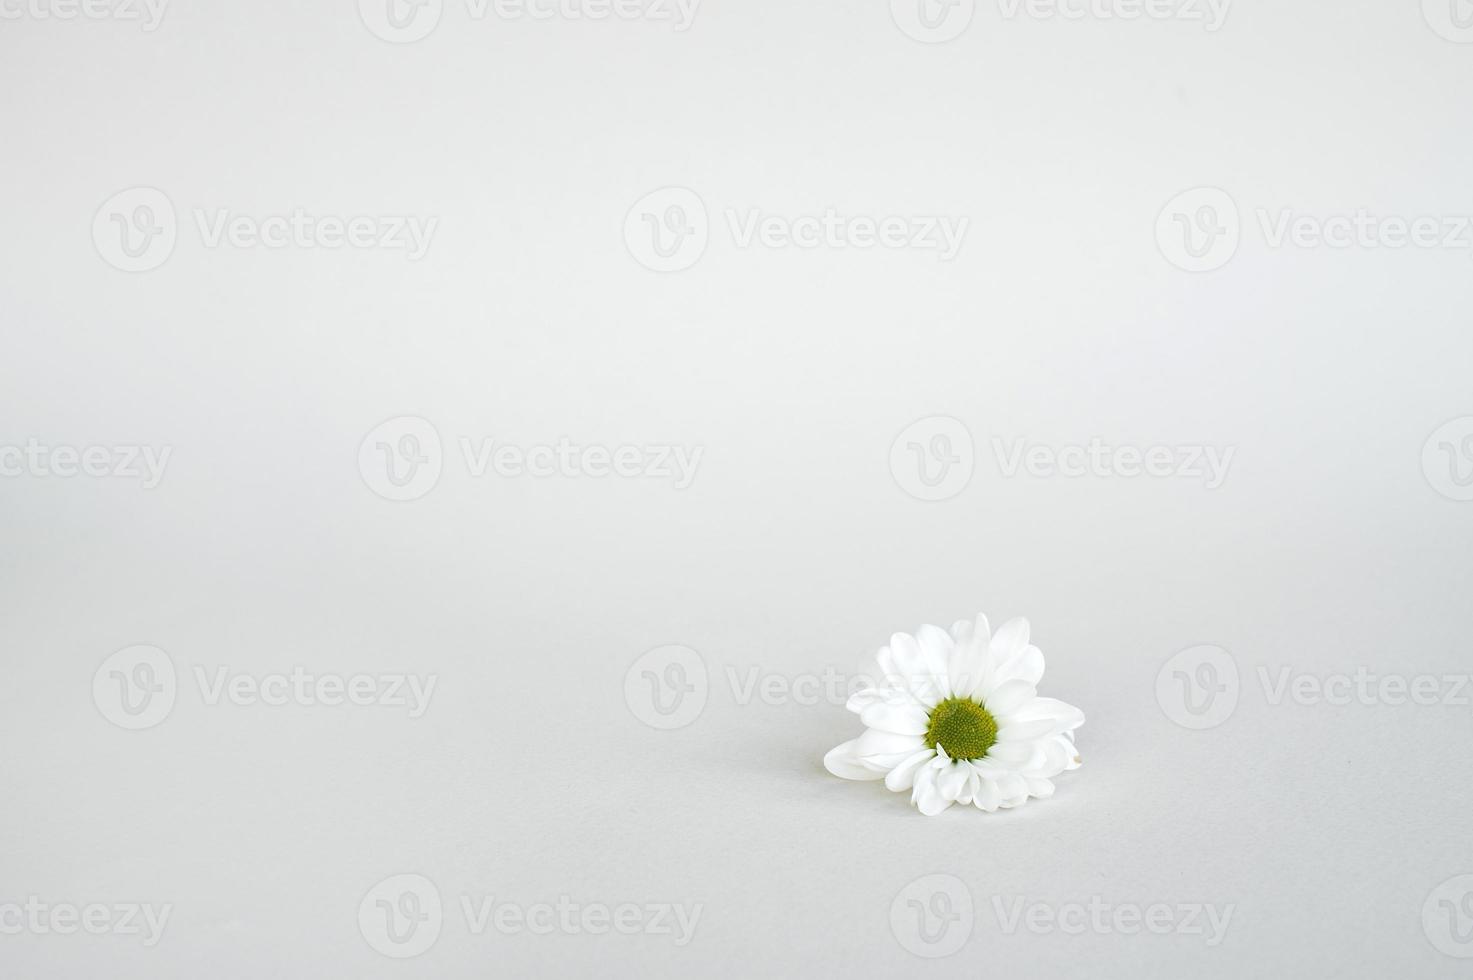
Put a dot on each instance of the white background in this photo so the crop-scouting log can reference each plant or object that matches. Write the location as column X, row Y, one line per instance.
column 1328, row 548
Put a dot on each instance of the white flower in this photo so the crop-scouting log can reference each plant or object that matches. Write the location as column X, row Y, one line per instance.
column 956, row 718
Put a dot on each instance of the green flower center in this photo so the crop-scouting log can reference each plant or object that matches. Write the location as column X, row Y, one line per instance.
column 962, row 727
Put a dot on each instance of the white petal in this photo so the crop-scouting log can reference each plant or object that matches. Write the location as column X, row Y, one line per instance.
column 1014, row 730
column 927, row 796
column 1007, row 698
column 885, row 750
column 1065, row 717
column 841, row 762
column 903, row 776
column 1011, row 788
column 990, row 768
column 900, row 719
column 981, row 631
column 1056, row 755
column 969, row 667
column 987, row 797
column 969, row 790
column 936, row 645
column 863, row 698
column 1040, row 789
column 1017, row 756
column 1025, row 665
column 1011, row 637
column 961, row 631
column 953, row 780
column 915, row 670
column 1067, row 742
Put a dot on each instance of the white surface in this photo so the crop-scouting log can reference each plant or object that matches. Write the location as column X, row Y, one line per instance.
column 795, row 549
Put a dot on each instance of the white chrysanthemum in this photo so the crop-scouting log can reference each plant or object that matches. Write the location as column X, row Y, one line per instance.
column 956, row 718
